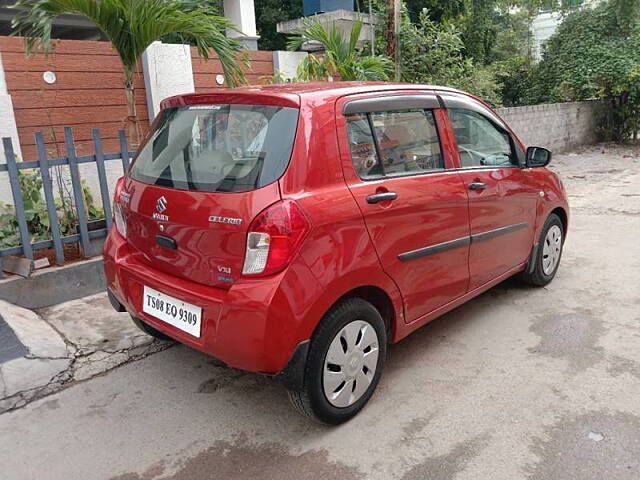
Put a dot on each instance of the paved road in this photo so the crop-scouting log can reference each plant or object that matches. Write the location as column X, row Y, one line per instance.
column 518, row 384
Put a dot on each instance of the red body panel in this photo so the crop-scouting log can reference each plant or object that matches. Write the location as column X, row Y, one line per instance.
column 509, row 200
column 430, row 209
column 256, row 323
column 203, row 246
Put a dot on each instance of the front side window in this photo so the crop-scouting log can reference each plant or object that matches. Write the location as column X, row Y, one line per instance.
column 408, row 143
column 217, row 148
column 480, row 142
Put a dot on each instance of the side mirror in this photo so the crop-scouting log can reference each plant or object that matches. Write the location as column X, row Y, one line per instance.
column 538, row 157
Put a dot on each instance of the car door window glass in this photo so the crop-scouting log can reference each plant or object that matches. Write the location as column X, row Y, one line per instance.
column 363, row 150
column 408, row 143
column 480, row 142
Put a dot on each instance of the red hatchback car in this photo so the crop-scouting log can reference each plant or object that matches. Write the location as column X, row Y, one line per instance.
column 295, row 230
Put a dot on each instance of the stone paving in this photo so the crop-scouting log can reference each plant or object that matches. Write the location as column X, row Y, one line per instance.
column 518, row 384
column 44, row 351
column 10, row 346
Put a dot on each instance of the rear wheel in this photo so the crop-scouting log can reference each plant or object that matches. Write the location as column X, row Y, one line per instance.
column 344, row 363
column 549, row 253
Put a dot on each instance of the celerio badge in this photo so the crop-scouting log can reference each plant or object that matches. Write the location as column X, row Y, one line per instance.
column 226, row 220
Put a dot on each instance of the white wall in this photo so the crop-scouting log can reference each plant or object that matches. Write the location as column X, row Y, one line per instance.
column 7, row 129
column 7, row 117
column 167, row 71
column 242, row 14
column 556, row 126
column 286, row 63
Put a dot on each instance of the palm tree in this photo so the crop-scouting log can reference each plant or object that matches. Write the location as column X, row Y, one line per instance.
column 131, row 26
column 341, row 56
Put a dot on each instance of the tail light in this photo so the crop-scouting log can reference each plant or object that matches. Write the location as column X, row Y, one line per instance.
column 118, row 214
column 273, row 238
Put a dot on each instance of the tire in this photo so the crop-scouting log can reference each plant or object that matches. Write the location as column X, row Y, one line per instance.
column 363, row 322
column 550, row 244
column 149, row 330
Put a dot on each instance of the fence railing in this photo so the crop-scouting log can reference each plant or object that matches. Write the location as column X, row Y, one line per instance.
column 43, row 164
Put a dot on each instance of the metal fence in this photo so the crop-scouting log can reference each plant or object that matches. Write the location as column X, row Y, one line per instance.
column 43, row 164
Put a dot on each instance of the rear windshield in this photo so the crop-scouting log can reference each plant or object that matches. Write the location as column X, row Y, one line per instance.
column 217, row 148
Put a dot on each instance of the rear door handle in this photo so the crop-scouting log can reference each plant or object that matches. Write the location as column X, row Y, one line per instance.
column 382, row 197
column 477, row 186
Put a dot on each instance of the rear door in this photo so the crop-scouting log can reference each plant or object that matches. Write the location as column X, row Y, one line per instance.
column 502, row 202
column 414, row 208
column 200, row 178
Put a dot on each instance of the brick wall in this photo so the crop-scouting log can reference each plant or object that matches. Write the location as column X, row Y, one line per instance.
column 556, row 126
column 204, row 72
column 88, row 93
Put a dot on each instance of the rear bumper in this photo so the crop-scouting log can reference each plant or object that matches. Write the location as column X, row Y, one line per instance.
column 256, row 325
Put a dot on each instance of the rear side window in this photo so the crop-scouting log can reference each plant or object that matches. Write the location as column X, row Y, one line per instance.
column 363, row 150
column 407, row 143
column 217, row 148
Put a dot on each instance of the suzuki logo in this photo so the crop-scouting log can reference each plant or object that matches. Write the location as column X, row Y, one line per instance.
column 161, row 204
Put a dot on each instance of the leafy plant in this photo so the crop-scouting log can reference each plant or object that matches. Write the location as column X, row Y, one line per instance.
column 35, row 210
column 341, row 56
column 593, row 55
column 434, row 53
column 512, row 77
column 268, row 14
column 131, row 26
column 36, row 214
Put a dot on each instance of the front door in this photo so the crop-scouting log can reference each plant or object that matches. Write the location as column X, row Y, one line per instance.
column 415, row 209
column 502, row 206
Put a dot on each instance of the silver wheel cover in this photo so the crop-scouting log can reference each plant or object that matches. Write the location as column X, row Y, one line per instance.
column 551, row 250
column 350, row 363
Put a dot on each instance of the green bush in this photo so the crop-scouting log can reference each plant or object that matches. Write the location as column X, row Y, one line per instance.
column 512, row 77
column 593, row 55
column 434, row 53
column 36, row 213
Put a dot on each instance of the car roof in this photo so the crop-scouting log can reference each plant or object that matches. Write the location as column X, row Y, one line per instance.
column 335, row 88
column 294, row 94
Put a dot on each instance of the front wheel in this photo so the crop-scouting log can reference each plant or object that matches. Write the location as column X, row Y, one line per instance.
column 344, row 363
column 549, row 253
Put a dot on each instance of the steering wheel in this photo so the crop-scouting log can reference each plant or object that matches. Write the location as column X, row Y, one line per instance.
column 468, row 154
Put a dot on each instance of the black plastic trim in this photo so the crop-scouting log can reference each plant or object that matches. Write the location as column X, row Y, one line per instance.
column 459, row 242
column 478, row 237
column 459, row 101
column 166, row 242
column 383, row 104
column 292, row 375
column 438, row 248
column 115, row 303
column 531, row 266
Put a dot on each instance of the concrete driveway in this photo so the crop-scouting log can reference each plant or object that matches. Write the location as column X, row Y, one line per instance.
column 518, row 384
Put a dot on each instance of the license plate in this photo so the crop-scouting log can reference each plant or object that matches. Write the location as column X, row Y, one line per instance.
column 175, row 312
